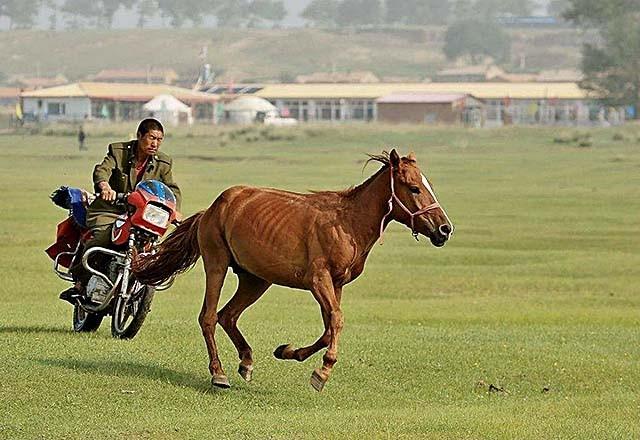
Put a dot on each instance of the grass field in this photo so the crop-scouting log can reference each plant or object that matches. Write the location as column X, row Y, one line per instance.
column 524, row 326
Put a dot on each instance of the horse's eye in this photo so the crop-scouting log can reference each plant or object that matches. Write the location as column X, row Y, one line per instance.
column 415, row 190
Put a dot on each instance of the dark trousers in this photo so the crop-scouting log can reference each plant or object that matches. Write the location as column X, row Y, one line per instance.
column 101, row 238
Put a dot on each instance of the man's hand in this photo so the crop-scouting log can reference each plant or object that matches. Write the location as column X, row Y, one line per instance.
column 106, row 193
column 87, row 197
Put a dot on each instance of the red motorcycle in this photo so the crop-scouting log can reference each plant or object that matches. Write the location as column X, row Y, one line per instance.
column 112, row 289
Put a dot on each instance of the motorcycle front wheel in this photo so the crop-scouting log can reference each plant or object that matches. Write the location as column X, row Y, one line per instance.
column 84, row 321
column 129, row 314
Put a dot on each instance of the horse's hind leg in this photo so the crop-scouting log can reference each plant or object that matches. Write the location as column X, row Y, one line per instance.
column 216, row 261
column 250, row 288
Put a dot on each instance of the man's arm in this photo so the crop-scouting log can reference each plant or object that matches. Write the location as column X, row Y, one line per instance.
column 167, row 178
column 102, row 173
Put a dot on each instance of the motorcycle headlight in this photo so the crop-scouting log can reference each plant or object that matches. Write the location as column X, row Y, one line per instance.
column 156, row 216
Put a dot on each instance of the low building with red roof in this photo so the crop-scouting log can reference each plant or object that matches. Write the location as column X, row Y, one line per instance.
column 430, row 108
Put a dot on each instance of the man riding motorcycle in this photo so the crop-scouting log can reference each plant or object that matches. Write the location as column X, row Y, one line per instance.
column 124, row 166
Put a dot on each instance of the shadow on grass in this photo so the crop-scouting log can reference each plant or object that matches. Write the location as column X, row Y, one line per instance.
column 34, row 329
column 135, row 370
column 129, row 369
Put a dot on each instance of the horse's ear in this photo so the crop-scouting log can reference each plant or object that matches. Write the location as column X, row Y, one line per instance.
column 394, row 158
column 411, row 157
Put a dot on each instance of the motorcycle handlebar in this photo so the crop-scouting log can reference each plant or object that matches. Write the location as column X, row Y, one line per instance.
column 120, row 197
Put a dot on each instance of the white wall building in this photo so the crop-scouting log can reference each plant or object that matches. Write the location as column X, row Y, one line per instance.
column 109, row 101
column 57, row 108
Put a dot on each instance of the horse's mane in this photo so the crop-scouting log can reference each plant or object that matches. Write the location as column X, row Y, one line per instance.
column 353, row 190
column 383, row 159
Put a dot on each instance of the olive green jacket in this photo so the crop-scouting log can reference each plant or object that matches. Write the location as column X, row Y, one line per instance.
column 118, row 168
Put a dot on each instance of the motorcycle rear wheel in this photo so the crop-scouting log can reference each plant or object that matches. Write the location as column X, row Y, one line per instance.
column 129, row 315
column 84, row 322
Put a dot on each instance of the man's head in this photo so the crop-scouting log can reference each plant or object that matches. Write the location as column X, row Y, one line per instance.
column 150, row 135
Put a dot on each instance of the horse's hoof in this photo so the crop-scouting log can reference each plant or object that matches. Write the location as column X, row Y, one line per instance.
column 318, row 380
column 220, row 381
column 245, row 371
column 279, row 352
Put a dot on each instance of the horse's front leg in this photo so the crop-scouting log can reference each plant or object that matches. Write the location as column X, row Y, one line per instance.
column 336, row 321
column 324, row 292
column 288, row 351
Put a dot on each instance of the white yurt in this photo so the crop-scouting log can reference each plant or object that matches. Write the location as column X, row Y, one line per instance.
column 248, row 109
column 169, row 110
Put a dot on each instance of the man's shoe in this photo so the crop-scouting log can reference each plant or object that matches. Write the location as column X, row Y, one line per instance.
column 70, row 295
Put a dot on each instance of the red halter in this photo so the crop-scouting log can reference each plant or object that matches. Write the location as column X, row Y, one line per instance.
column 393, row 197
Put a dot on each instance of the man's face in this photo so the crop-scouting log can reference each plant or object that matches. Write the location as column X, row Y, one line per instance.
column 149, row 144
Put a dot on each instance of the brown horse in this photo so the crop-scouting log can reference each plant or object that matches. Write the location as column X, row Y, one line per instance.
column 318, row 242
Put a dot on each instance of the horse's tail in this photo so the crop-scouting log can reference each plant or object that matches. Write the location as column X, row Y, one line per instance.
column 175, row 255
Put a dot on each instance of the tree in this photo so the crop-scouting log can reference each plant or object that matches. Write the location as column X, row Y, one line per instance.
column 107, row 9
column 358, row 12
column 478, row 39
column 171, row 9
column 230, row 13
column 196, row 10
column 344, row 12
column 321, row 12
column 556, row 8
column 269, row 10
column 180, row 11
column 417, row 11
column 20, row 13
column 612, row 66
column 146, row 9
column 462, row 9
column 249, row 12
column 77, row 11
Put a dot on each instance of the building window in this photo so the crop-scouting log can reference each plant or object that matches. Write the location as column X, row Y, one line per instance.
column 357, row 109
column 56, row 108
column 103, row 109
column 370, row 112
column 292, row 108
column 203, row 111
column 323, row 110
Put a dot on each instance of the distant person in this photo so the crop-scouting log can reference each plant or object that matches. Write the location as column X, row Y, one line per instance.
column 81, row 137
column 125, row 165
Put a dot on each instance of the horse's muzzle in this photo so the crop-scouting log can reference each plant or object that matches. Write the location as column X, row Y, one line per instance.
column 440, row 237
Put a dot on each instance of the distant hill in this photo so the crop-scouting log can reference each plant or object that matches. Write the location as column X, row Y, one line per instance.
column 263, row 55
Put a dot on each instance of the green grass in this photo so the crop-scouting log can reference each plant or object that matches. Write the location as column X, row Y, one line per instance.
column 536, row 294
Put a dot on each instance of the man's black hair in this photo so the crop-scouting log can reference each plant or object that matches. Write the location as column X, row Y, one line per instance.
column 146, row 125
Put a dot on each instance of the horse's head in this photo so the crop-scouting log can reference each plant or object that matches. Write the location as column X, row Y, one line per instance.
column 414, row 201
